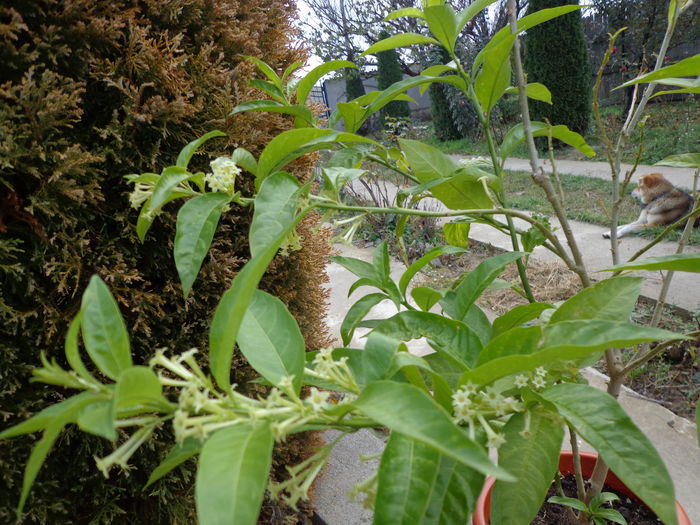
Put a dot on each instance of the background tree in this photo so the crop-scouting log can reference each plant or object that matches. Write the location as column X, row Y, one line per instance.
column 389, row 72
column 90, row 92
column 443, row 122
column 557, row 56
column 645, row 21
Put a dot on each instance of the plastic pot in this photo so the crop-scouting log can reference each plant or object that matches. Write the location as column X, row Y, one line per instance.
column 566, row 466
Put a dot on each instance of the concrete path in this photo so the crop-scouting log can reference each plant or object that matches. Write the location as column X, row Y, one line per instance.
column 674, row 437
column 685, row 287
column 682, row 177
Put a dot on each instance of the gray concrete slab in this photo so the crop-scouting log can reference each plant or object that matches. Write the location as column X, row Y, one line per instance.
column 674, row 437
column 682, row 177
column 685, row 287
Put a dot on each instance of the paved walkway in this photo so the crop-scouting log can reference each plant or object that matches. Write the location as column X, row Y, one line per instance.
column 682, row 177
column 674, row 437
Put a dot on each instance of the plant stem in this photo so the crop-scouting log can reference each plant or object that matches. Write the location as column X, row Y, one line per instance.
column 538, row 175
column 578, row 473
column 613, row 359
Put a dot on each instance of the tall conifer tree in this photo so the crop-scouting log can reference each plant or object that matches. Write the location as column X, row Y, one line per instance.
column 556, row 55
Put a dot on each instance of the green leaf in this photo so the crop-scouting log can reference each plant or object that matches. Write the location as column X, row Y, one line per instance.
column 168, row 181
column 67, row 413
column 362, row 269
column 270, row 89
column 494, row 77
column 425, row 297
column 523, row 24
column 516, row 136
column 196, row 223
column 418, row 265
column 307, row 83
column 98, row 418
column 72, row 351
column 274, row 211
column 457, row 233
column 349, row 157
column 234, row 302
column 378, row 357
column 412, row 12
column 183, row 159
column 273, row 106
column 457, row 302
column 464, row 16
column 535, row 91
column 518, row 315
column 400, row 40
column 146, row 218
column 177, row 455
column 533, row 459
column 245, row 160
column 518, row 341
column 232, row 474
column 442, row 23
column 602, row 334
column 687, row 67
column 138, row 389
column 43, row 419
column 356, row 313
column 684, row 160
column 612, row 299
column 428, row 163
column 445, row 335
column 684, row 262
column 479, row 322
column 567, row 341
column 294, row 143
column 271, row 341
column 267, row 70
column 569, row 502
column 601, row 421
column 408, row 410
column 417, row 484
column 610, row 515
column 334, row 178
column 104, row 332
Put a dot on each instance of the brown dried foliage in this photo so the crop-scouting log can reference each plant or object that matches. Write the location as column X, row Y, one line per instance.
column 91, row 91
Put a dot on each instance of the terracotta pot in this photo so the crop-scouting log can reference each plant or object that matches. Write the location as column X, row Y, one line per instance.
column 566, row 466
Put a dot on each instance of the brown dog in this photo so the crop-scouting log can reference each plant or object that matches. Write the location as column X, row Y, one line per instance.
column 662, row 204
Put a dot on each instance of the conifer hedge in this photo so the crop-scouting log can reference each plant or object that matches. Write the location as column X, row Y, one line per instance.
column 389, row 72
column 557, row 56
column 91, row 91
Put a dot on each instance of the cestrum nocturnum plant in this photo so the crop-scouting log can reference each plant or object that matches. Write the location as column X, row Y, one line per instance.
column 511, row 383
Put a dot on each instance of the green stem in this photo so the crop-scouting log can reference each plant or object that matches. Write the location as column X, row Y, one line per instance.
column 483, row 119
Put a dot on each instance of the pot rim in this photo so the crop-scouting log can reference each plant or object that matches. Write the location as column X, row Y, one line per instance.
column 588, row 459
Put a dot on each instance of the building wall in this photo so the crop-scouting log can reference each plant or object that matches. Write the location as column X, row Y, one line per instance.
column 335, row 92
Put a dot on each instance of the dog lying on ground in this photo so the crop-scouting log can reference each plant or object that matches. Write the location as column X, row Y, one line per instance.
column 662, row 204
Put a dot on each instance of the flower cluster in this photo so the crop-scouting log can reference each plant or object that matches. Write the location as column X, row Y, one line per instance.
column 475, row 407
column 142, row 192
column 337, row 372
column 223, row 175
column 536, row 381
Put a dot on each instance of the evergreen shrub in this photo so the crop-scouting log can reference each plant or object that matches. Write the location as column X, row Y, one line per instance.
column 90, row 92
column 557, row 56
column 389, row 72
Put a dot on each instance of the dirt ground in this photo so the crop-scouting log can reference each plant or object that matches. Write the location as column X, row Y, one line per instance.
column 672, row 379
